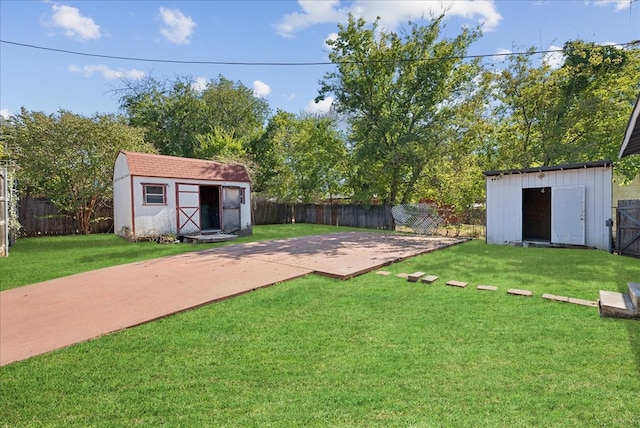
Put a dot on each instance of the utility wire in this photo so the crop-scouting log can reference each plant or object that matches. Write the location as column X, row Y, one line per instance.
column 289, row 64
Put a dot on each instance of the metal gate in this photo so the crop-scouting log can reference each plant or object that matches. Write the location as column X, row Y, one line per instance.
column 628, row 230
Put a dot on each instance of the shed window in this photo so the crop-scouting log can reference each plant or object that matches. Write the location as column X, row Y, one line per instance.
column 155, row 194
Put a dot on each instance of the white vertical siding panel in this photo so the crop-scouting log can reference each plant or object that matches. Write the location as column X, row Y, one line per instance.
column 594, row 220
column 607, row 201
column 549, row 180
column 122, row 220
column 494, row 210
column 504, row 209
column 601, row 207
column 515, row 212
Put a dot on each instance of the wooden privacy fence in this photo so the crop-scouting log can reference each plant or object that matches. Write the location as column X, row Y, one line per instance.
column 39, row 217
column 268, row 212
column 365, row 216
column 628, row 229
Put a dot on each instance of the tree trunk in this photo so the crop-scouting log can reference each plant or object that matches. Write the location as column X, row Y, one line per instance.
column 83, row 216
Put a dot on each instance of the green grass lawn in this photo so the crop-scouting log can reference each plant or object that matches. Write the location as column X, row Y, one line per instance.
column 371, row 351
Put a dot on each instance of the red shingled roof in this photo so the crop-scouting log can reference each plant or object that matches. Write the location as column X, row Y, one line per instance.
column 149, row 165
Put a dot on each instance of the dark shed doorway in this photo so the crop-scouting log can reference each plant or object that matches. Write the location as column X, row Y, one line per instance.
column 210, row 207
column 536, row 214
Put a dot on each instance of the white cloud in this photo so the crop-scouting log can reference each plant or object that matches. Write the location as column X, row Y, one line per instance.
column 5, row 113
column 332, row 37
column 619, row 4
column 107, row 73
column 554, row 59
column 200, row 84
column 176, row 27
column 261, row 89
column 319, row 107
column 75, row 25
column 392, row 13
column 313, row 12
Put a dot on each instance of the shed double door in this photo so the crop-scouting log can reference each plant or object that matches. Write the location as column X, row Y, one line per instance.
column 568, row 215
column 554, row 214
column 189, row 208
column 231, row 202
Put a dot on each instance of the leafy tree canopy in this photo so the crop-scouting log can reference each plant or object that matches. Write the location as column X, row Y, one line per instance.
column 69, row 158
column 575, row 113
column 394, row 89
column 181, row 118
column 301, row 158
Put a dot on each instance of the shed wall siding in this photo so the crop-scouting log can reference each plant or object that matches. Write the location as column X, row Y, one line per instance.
column 504, row 210
column 122, row 220
column 504, row 202
column 154, row 220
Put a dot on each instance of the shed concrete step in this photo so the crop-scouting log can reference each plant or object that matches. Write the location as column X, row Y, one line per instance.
column 204, row 239
column 617, row 305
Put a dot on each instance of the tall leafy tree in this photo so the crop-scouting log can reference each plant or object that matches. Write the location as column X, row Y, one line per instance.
column 394, row 88
column 523, row 95
column 317, row 157
column 455, row 177
column 300, row 158
column 69, row 158
column 269, row 152
column 183, row 119
column 234, row 108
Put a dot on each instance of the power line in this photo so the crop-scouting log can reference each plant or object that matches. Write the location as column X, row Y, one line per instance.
column 286, row 64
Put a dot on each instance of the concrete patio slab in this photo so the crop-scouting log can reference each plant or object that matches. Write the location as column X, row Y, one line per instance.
column 42, row 317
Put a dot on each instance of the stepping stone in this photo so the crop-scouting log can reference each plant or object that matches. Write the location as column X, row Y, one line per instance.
column 573, row 300
column 383, row 272
column 555, row 298
column 414, row 277
column 403, row 275
column 583, row 302
column 517, row 292
column 429, row 279
column 457, row 283
column 487, row 287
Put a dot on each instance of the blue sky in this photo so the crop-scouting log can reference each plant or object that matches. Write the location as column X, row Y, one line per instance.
column 258, row 31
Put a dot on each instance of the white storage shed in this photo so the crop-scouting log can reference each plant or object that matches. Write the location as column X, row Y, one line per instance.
column 155, row 195
column 565, row 205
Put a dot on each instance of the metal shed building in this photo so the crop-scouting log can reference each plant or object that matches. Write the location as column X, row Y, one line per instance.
column 155, row 195
column 564, row 205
